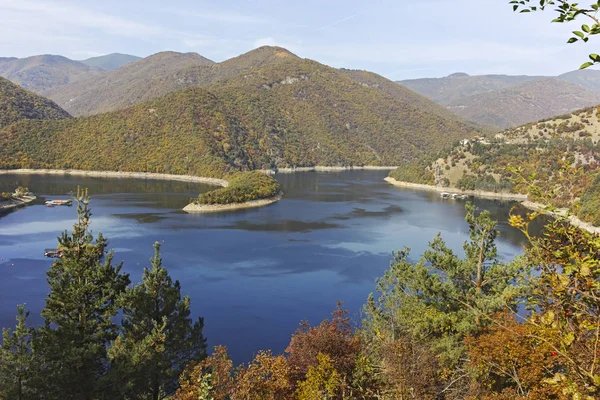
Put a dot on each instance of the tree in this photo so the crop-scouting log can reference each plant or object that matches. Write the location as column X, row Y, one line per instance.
column 267, row 377
column 84, row 290
column 214, row 371
column 322, row 381
column 334, row 339
column 568, row 11
column 566, row 301
column 17, row 360
column 442, row 298
column 158, row 336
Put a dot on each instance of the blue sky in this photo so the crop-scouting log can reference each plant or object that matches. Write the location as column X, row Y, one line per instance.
column 400, row 39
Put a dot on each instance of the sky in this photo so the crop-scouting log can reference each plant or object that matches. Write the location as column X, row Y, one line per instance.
column 399, row 39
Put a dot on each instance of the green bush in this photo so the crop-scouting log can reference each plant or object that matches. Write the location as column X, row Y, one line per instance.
column 244, row 186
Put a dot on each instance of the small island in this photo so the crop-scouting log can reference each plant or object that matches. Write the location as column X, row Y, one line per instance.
column 20, row 198
column 244, row 190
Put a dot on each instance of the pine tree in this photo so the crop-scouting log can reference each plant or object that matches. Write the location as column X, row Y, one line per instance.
column 159, row 338
column 443, row 298
column 79, row 311
column 17, row 360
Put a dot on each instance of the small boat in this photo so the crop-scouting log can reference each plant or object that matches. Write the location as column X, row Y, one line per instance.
column 445, row 195
column 53, row 253
column 59, row 202
column 454, row 196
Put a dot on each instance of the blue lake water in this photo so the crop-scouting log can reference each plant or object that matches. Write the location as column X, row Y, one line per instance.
column 253, row 274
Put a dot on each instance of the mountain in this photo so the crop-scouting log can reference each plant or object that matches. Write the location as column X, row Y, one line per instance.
column 460, row 85
column 504, row 101
column 41, row 73
column 520, row 104
column 588, row 78
column 17, row 104
column 100, row 95
column 110, row 62
column 560, row 156
column 131, row 84
column 289, row 112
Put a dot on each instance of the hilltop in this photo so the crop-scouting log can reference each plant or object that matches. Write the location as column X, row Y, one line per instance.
column 17, row 104
column 505, row 101
column 131, row 84
column 560, row 156
column 111, row 61
column 44, row 72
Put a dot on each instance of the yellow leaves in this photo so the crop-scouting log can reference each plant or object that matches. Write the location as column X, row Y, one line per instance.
column 517, row 221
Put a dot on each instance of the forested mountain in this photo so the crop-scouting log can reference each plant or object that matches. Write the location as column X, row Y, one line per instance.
column 560, row 158
column 131, row 84
column 505, row 101
column 41, row 73
column 17, row 104
column 111, row 61
column 289, row 113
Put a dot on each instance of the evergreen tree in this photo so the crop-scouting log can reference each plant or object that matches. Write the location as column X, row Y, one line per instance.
column 443, row 298
column 17, row 360
column 79, row 312
column 159, row 338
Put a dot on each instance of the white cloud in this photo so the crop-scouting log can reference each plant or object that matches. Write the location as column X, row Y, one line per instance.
column 59, row 15
column 228, row 17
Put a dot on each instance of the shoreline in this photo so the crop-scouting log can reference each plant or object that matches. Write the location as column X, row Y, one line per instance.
column 118, row 174
column 521, row 198
column 16, row 203
column 193, row 208
column 475, row 193
column 562, row 212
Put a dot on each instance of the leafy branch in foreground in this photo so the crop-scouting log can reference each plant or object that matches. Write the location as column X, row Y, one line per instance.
column 568, row 11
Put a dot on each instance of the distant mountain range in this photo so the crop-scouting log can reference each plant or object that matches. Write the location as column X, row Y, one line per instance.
column 110, row 62
column 41, row 73
column 184, row 114
column 505, row 101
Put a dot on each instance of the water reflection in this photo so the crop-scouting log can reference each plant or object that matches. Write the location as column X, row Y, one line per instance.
column 255, row 273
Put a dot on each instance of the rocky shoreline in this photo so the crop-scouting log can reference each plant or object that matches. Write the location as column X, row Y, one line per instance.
column 501, row 196
column 475, row 193
column 119, row 174
column 194, row 208
column 16, row 203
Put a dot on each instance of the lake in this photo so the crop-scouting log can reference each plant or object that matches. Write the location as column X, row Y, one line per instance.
column 253, row 274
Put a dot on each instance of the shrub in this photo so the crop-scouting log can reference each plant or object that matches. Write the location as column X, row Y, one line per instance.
column 244, row 186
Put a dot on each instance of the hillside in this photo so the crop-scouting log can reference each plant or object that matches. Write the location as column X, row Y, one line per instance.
column 41, row 73
column 100, row 95
column 588, row 78
column 527, row 102
column 17, row 104
column 110, row 62
column 293, row 113
column 561, row 155
column 523, row 99
column 398, row 92
column 156, row 76
column 458, row 86
column 330, row 119
column 126, row 86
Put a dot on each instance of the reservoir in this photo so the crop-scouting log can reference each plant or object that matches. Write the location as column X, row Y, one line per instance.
column 253, row 274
